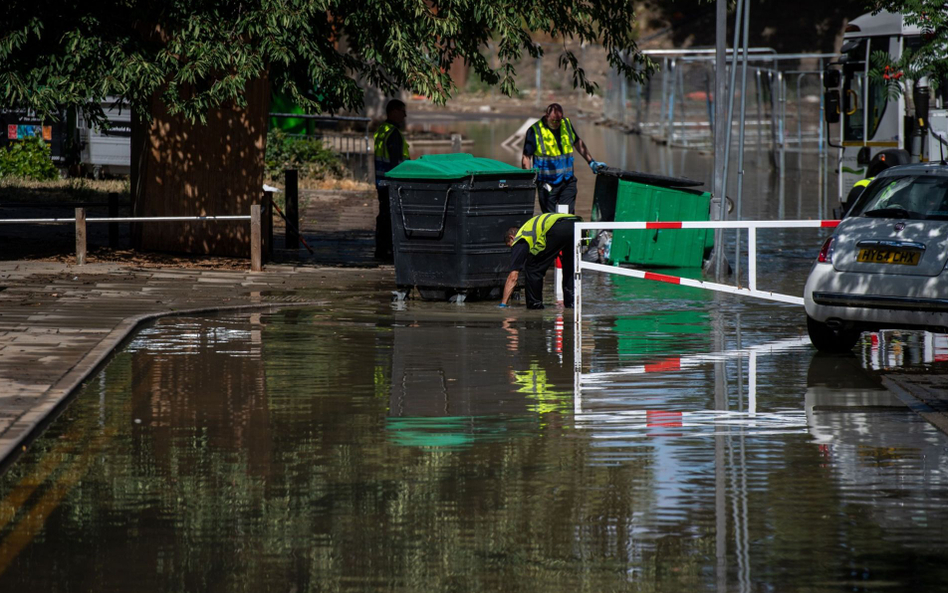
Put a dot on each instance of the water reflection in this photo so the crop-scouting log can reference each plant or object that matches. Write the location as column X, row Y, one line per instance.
column 371, row 449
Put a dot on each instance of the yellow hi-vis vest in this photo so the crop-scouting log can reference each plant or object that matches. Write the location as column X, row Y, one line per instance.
column 553, row 165
column 534, row 230
column 383, row 160
column 863, row 182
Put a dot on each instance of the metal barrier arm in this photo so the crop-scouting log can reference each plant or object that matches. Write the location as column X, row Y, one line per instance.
column 80, row 220
column 750, row 291
column 750, row 225
column 717, row 287
column 126, row 219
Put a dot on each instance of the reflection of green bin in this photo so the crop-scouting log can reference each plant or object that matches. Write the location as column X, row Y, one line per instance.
column 643, row 199
column 676, row 318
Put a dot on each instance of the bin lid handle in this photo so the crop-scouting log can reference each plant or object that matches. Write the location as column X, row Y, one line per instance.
column 408, row 229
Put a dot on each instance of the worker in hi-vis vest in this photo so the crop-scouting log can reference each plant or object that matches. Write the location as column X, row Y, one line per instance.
column 534, row 248
column 390, row 150
column 548, row 147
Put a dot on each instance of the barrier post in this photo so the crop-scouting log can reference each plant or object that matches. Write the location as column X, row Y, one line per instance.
column 751, row 257
column 80, row 236
column 558, row 267
column 256, row 253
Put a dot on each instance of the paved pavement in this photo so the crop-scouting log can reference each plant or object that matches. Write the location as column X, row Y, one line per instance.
column 58, row 321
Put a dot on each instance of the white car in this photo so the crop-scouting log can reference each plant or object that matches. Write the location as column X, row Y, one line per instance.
column 884, row 267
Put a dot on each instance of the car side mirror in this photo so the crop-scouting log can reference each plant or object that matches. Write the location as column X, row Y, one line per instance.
column 831, row 106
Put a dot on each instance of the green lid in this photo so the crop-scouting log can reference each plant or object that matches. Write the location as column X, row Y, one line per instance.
column 452, row 166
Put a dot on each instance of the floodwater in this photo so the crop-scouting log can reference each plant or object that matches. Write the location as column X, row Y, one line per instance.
column 421, row 446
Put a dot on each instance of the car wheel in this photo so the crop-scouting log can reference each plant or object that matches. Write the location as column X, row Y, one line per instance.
column 826, row 339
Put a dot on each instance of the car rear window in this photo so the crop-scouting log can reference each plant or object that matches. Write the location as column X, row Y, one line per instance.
column 923, row 197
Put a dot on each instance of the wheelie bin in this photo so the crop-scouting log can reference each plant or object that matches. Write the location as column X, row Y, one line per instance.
column 449, row 214
column 624, row 196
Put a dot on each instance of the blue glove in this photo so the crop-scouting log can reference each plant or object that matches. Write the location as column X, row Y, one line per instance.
column 597, row 166
column 502, row 306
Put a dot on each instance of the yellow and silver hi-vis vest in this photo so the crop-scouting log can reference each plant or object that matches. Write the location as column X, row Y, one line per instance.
column 534, row 230
column 383, row 161
column 553, row 165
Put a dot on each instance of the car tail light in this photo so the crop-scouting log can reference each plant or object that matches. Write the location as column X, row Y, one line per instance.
column 826, row 252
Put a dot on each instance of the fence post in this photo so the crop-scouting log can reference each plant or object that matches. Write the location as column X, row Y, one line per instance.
column 256, row 255
column 268, row 224
column 80, row 236
column 291, row 195
column 539, row 77
column 113, row 226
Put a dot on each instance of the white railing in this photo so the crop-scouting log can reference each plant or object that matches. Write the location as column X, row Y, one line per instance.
column 750, row 290
column 80, row 220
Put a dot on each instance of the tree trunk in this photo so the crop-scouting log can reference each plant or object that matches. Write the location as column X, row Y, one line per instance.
column 181, row 168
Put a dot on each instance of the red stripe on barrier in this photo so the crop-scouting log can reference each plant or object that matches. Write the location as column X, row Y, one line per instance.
column 662, row 418
column 829, row 223
column 662, row 278
column 662, row 225
column 669, row 364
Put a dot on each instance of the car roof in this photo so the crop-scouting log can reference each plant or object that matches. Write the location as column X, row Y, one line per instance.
column 930, row 168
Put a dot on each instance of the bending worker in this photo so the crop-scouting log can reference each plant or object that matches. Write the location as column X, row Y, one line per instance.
column 390, row 150
column 535, row 246
column 549, row 144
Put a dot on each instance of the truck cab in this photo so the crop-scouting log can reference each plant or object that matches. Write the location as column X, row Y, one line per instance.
column 875, row 122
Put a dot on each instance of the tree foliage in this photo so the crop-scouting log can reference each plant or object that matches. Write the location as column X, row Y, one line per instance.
column 199, row 54
column 28, row 159
column 930, row 58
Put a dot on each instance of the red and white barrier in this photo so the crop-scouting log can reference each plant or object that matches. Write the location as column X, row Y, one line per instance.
column 750, row 290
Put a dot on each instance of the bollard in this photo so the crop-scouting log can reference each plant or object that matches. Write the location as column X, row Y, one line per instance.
column 558, row 274
column 292, row 211
column 256, row 253
column 268, row 225
column 80, row 236
column 113, row 226
column 455, row 143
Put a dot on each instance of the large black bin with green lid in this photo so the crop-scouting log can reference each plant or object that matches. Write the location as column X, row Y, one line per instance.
column 449, row 214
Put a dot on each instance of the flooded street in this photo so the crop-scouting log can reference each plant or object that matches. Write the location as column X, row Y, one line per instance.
column 428, row 446
column 434, row 446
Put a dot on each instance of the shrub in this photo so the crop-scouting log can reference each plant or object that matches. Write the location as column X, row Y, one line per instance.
column 307, row 155
column 28, row 159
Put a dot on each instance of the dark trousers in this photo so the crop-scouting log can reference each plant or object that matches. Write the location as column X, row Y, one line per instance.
column 564, row 193
column 559, row 238
column 383, row 226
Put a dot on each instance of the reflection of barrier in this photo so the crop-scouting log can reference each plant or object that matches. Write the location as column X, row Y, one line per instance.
column 598, row 381
column 751, row 290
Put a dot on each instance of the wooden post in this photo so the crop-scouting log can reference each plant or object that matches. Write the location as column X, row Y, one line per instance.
column 80, row 236
column 268, row 225
column 113, row 226
column 292, row 211
column 256, row 253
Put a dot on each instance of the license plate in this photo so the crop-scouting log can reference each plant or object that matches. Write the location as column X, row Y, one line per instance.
column 889, row 256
